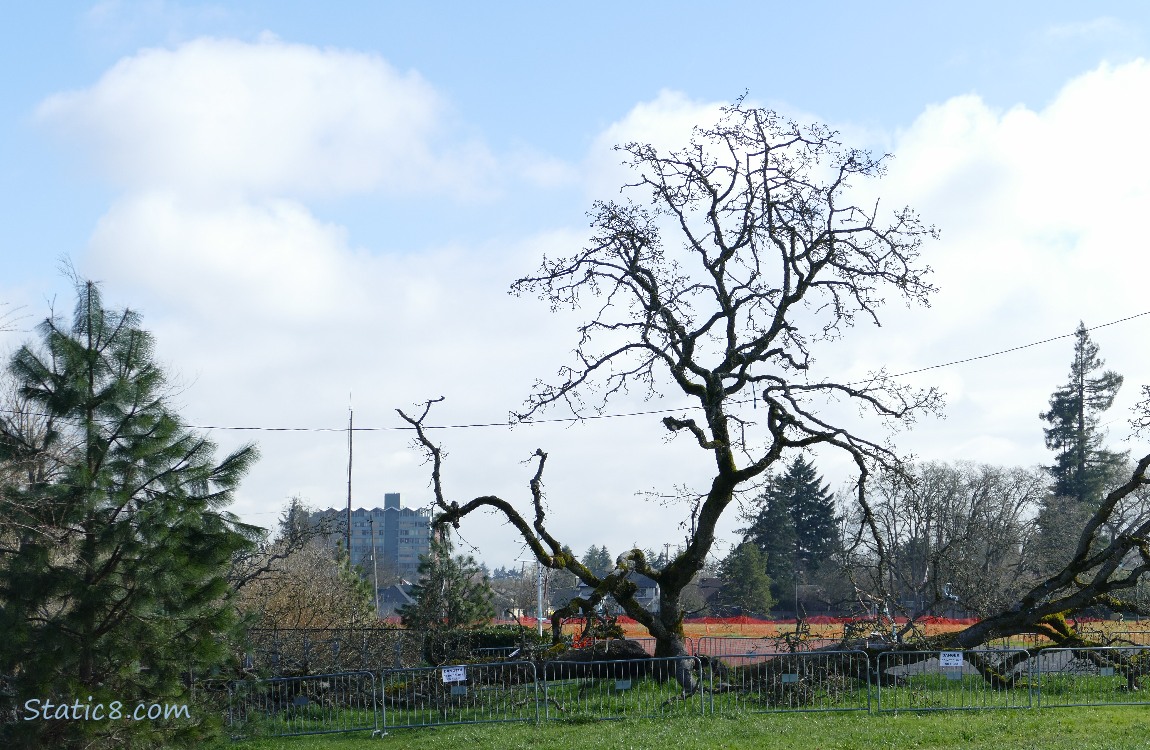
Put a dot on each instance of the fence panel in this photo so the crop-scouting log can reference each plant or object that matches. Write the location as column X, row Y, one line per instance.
column 645, row 642
column 952, row 680
column 1102, row 676
column 720, row 646
column 648, row 644
column 1018, row 641
column 804, row 681
column 620, row 689
column 465, row 694
column 1130, row 638
column 316, row 704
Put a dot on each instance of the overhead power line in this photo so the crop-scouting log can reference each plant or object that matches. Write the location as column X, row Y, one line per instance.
column 554, row 420
column 1016, row 348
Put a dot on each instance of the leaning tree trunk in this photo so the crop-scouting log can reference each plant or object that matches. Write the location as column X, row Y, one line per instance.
column 666, row 626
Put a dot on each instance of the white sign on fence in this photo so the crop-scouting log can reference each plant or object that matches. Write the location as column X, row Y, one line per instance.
column 455, row 674
column 950, row 658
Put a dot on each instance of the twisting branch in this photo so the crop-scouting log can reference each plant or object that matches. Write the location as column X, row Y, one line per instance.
column 770, row 256
column 1103, row 567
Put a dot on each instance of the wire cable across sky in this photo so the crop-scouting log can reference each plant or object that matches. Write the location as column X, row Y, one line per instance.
column 554, row 420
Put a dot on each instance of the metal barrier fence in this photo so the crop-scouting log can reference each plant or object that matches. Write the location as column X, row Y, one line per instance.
column 521, row 691
column 1019, row 641
column 952, row 680
column 1092, row 676
column 637, row 688
column 648, row 644
column 465, row 694
column 721, row 646
column 805, row 681
column 1131, row 637
column 317, row 704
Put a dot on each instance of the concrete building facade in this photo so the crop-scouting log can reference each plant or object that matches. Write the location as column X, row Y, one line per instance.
column 401, row 535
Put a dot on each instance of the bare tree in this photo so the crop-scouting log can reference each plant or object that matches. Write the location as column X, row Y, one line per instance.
column 297, row 580
column 769, row 257
column 955, row 535
column 1110, row 558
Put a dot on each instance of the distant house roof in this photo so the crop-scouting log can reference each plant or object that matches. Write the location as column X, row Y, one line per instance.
column 397, row 593
column 708, row 587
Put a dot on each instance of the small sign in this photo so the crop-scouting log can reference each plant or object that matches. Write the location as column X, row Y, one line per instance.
column 1106, row 672
column 950, row 659
column 459, row 690
column 790, row 678
column 622, row 684
column 455, row 674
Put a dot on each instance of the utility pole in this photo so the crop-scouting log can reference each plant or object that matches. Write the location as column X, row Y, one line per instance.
column 539, row 597
column 374, row 565
column 349, row 423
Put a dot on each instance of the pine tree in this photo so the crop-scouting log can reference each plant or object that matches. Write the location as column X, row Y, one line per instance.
column 113, row 574
column 745, row 583
column 1082, row 466
column 452, row 592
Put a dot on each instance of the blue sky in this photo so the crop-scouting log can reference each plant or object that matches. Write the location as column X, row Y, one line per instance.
column 309, row 200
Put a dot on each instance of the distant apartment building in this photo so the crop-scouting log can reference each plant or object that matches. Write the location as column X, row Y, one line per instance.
column 401, row 536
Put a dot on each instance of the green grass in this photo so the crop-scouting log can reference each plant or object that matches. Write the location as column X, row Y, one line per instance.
column 585, row 702
column 1080, row 728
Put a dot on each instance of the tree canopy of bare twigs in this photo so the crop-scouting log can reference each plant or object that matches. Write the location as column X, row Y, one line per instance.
column 956, row 536
column 715, row 275
column 298, row 580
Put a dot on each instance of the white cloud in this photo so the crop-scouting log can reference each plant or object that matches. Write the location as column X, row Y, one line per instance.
column 1040, row 213
column 665, row 122
column 277, row 314
column 270, row 260
column 1037, row 203
column 266, row 118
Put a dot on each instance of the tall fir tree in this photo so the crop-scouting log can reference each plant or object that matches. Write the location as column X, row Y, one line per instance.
column 599, row 560
column 796, row 526
column 113, row 571
column 453, row 592
column 1082, row 466
column 773, row 533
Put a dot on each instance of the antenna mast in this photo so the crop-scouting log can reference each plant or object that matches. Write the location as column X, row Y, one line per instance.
column 349, row 427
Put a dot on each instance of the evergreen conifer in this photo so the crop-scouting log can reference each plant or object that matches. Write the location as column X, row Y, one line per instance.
column 796, row 526
column 452, row 592
column 1082, row 466
column 745, row 584
column 113, row 571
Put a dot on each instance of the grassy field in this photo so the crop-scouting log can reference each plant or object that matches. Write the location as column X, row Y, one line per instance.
column 582, row 694
column 1080, row 729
